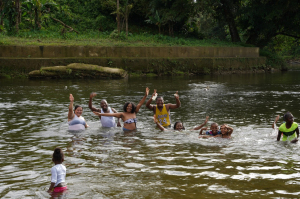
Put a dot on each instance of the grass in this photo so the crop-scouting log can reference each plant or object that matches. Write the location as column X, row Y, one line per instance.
column 96, row 38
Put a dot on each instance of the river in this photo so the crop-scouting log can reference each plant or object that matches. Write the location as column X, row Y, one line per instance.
column 106, row 163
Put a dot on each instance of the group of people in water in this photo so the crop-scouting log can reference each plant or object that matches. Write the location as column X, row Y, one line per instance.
column 288, row 130
column 161, row 116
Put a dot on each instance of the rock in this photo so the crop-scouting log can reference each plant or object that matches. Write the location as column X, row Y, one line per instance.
column 78, row 70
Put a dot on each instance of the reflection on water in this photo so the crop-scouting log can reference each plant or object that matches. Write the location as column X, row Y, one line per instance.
column 108, row 163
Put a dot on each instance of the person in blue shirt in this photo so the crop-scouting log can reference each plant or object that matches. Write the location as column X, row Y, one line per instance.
column 214, row 131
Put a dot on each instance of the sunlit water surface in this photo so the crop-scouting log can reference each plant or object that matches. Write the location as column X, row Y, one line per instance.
column 108, row 163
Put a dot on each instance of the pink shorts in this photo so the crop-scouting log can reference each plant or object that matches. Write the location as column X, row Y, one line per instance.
column 59, row 189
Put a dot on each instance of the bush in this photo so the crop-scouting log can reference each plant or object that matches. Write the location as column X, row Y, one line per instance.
column 273, row 59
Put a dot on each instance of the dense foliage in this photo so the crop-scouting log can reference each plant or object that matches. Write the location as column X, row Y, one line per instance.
column 273, row 25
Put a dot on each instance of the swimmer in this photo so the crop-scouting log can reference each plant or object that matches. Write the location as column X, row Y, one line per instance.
column 75, row 120
column 129, row 114
column 105, row 121
column 58, row 172
column 226, row 131
column 178, row 126
column 212, row 133
column 289, row 129
column 161, row 110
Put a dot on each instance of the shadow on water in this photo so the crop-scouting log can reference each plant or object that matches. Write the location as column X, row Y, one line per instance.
column 108, row 163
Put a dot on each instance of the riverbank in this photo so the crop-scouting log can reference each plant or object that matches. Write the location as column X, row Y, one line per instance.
column 141, row 61
column 108, row 39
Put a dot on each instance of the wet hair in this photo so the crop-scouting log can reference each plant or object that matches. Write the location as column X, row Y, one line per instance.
column 58, row 155
column 133, row 107
column 286, row 115
column 214, row 124
column 177, row 123
column 76, row 107
column 159, row 97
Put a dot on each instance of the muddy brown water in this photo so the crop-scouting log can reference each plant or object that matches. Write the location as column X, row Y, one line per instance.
column 106, row 163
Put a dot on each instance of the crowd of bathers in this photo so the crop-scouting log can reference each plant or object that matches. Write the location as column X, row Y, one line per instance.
column 288, row 130
column 161, row 117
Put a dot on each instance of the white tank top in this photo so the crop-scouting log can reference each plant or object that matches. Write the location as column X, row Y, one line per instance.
column 77, row 123
column 108, row 121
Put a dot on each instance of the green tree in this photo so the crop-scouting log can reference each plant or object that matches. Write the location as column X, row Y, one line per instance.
column 263, row 20
column 156, row 19
column 171, row 13
column 225, row 12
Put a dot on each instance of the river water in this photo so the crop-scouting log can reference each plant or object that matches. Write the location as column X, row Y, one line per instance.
column 108, row 163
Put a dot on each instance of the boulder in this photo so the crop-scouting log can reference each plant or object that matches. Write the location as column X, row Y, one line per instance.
column 78, row 70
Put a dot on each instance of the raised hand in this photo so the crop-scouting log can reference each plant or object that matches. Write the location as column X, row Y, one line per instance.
column 147, row 91
column 92, row 95
column 206, row 120
column 71, row 98
column 277, row 118
column 154, row 95
column 176, row 95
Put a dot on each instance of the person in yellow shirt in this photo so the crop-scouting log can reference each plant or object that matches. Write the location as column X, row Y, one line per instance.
column 289, row 129
column 161, row 110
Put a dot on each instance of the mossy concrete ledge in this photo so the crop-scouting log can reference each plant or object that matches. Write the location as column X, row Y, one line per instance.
column 118, row 52
column 78, row 70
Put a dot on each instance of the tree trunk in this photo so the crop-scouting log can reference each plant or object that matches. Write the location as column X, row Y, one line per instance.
column 126, row 17
column 18, row 15
column 118, row 17
column 227, row 7
column 233, row 31
column 171, row 32
column 1, row 20
column 36, row 18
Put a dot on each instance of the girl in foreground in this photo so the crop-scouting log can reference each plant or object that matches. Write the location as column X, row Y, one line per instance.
column 129, row 114
column 178, row 126
column 75, row 120
column 58, row 172
column 289, row 129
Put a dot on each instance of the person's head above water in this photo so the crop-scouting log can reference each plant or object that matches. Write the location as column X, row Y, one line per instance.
column 129, row 107
column 224, row 129
column 178, row 126
column 58, row 156
column 159, row 101
column 104, row 105
column 78, row 110
column 288, row 117
column 214, row 128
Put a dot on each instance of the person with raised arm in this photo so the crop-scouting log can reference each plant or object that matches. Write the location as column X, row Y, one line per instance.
column 129, row 114
column 161, row 110
column 75, row 120
column 105, row 120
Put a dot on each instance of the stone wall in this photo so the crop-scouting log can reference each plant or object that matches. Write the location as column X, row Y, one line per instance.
column 140, row 60
column 149, row 52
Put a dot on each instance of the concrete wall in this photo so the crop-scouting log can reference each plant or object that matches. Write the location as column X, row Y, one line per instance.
column 161, row 66
column 110, row 52
column 159, row 60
